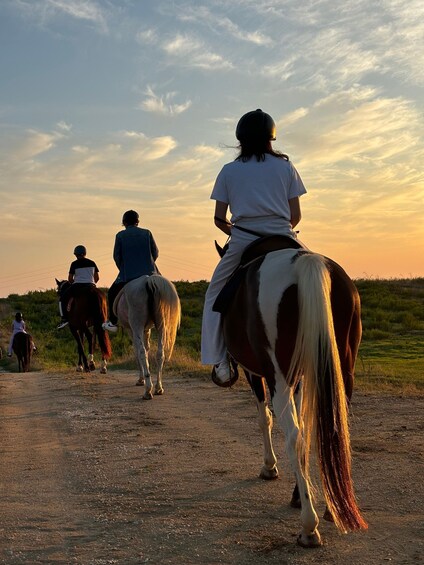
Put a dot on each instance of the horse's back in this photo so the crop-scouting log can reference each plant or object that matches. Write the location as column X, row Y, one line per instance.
column 88, row 307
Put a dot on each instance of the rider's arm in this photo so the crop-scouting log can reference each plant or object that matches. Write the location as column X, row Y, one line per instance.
column 71, row 277
column 96, row 276
column 295, row 214
column 220, row 217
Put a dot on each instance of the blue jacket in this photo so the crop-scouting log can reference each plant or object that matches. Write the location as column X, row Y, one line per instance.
column 135, row 253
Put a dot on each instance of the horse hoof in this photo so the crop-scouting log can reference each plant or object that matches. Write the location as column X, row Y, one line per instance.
column 103, row 371
column 92, row 367
column 159, row 391
column 147, row 396
column 79, row 369
column 328, row 516
column 269, row 474
column 140, row 382
column 309, row 541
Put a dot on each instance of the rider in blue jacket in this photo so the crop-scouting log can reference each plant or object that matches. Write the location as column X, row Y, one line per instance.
column 134, row 253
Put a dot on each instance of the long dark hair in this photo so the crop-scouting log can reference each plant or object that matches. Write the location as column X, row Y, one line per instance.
column 259, row 148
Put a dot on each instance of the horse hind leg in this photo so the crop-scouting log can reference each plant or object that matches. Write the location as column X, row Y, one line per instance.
column 160, row 360
column 269, row 470
column 103, row 368
column 91, row 363
column 295, row 501
column 141, row 354
column 285, row 408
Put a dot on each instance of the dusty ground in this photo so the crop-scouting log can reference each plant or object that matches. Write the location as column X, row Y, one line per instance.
column 90, row 474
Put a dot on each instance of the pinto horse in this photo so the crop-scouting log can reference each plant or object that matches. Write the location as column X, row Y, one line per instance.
column 22, row 346
column 294, row 323
column 143, row 304
column 88, row 309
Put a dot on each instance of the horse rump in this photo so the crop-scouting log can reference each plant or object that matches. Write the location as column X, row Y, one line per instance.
column 22, row 347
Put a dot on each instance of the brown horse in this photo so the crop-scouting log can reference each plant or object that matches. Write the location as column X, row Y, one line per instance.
column 295, row 324
column 88, row 309
column 22, row 346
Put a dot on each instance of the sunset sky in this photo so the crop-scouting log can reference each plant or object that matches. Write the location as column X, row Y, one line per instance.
column 110, row 105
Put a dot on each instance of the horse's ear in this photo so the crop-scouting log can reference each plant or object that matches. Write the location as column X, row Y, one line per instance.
column 57, row 282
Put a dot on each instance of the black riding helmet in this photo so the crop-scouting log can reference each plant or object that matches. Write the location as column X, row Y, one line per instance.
column 254, row 125
column 80, row 250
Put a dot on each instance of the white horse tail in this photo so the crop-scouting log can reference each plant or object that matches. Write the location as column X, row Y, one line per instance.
column 165, row 309
column 324, row 409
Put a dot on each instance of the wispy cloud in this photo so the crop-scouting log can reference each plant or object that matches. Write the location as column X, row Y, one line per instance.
column 62, row 125
column 218, row 22
column 162, row 104
column 190, row 51
column 21, row 146
column 82, row 10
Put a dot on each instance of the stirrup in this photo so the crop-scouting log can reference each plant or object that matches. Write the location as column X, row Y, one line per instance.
column 234, row 375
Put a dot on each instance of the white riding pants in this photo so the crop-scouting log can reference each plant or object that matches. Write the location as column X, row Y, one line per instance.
column 213, row 349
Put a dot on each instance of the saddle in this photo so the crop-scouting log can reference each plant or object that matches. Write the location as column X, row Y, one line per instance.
column 255, row 250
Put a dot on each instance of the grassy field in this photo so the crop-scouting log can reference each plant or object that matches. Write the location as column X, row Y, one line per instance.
column 391, row 355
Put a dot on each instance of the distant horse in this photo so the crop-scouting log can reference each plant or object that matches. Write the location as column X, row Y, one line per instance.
column 294, row 322
column 144, row 303
column 88, row 309
column 22, row 346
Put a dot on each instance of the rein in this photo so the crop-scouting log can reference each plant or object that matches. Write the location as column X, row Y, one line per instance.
column 227, row 223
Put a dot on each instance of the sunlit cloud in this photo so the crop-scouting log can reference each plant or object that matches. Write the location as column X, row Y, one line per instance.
column 146, row 36
column 161, row 104
column 18, row 146
column 203, row 15
column 190, row 51
column 64, row 126
column 46, row 10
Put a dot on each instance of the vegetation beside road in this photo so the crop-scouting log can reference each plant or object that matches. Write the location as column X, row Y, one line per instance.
column 391, row 355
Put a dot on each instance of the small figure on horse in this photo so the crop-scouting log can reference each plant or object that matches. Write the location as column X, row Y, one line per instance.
column 83, row 276
column 18, row 326
column 134, row 253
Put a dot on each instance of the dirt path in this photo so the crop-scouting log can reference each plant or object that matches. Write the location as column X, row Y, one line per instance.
column 90, row 474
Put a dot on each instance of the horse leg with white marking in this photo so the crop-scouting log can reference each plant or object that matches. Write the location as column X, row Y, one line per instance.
column 298, row 395
column 82, row 359
column 142, row 356
column 285, row 410
column 90, row 341
column 269, row 470
column 160, row 360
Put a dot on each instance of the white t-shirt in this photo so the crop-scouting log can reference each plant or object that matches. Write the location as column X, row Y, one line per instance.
column 258, row 188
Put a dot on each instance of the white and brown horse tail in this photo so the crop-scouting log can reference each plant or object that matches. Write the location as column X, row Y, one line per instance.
column 165, row 309
column 324, row 410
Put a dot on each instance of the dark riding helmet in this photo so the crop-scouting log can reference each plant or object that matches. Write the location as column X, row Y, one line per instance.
column 254, row 125
column 18, row 316
column 80, row 250
column 130, row 218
